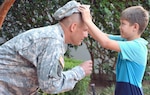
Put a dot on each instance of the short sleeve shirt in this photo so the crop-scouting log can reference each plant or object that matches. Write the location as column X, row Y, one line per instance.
column 131, row 64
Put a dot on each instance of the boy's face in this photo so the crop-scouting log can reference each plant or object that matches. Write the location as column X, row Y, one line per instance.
column 126, row 30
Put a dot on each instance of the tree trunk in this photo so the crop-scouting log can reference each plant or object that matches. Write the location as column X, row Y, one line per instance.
column 4, row 8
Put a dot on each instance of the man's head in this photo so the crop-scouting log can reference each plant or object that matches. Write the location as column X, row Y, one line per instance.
column 136, row 15
column 71, row 21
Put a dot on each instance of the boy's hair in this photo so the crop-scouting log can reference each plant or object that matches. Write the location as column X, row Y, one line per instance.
column 136, row 14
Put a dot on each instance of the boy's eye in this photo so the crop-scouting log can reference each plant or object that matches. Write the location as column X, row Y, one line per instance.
column 122, row 23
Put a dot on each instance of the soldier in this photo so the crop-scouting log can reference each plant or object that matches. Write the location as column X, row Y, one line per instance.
column 35, row 59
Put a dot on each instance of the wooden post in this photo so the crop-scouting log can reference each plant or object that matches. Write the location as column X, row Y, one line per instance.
column 4, row 8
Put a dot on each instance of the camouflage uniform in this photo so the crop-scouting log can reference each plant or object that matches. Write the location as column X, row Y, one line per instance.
column 34, row 59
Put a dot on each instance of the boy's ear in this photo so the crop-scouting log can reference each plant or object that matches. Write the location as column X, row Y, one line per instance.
column 136, row 26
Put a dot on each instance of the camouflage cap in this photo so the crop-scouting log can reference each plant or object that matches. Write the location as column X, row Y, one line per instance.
column 67, row 10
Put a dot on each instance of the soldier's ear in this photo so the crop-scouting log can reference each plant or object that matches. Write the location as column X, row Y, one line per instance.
column 73, row 27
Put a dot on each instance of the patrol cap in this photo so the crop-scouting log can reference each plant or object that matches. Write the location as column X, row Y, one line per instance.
column 67, row 10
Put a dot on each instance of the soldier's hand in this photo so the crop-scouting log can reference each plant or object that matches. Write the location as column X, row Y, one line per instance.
column 87, row 67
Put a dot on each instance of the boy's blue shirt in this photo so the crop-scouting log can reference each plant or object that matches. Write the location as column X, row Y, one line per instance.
column 131, row 64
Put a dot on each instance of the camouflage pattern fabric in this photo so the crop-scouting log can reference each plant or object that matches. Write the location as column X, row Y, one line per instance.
column 67, row 10
column 33, row 60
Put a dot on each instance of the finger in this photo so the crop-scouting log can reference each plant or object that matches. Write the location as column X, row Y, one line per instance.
column 87, row 6
column 82, row 6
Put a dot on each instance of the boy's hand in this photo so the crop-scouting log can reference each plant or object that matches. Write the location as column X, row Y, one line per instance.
column 85, row 11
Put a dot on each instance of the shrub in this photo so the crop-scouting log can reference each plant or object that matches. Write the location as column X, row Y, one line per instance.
column 107, row 91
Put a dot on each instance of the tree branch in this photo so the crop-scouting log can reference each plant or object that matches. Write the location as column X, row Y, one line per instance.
column 4, row 8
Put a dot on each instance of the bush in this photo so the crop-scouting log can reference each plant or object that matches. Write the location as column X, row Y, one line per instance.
column 81, row 87
column 107, row 91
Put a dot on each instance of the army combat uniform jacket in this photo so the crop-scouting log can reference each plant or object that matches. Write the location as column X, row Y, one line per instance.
column 34, row 59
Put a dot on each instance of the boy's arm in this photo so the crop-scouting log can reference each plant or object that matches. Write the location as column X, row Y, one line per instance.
column 95, row 32
column 4, row 8
column 102, row 38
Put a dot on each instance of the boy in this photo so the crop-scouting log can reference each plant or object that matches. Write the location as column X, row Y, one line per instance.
column 131, row 48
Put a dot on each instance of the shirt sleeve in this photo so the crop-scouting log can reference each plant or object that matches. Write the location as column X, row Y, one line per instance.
column 47, row 56
column 116, row 37
column 131, row 50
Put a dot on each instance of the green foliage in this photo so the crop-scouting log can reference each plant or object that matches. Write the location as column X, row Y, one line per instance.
column 147, row 74
column 146, row 88
column 70, row 63
column 108, row 91
column 27, row 14
column 81, row 87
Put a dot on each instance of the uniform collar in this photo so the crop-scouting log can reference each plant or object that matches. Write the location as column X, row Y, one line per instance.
column 63, row 36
